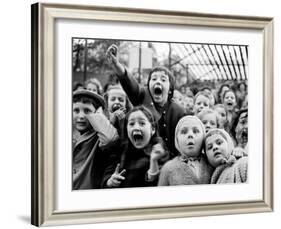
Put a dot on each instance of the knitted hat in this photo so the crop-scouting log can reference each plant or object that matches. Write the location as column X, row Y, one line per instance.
column 225, row 135
column 183, row 121
column 97, row 99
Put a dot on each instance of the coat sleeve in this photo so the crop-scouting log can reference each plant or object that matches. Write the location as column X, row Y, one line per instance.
column 132, row 88
column 164, row 177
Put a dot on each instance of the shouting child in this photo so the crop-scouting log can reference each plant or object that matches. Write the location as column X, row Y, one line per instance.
column 156, row 96
column 142, row 153
column 117, row 105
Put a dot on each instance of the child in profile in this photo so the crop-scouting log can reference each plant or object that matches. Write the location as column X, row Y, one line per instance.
column 96, row 133
column 228, row 169
column 142, row 155
column 191, row 166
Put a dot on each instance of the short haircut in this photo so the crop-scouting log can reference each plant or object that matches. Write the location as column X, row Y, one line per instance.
column 204, row 94
column 230, row 90
column 208, row 111
column 171, row 79
column 85, row 96
column 95, row 82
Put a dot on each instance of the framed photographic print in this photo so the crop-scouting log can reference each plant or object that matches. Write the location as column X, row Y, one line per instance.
column 144, row 114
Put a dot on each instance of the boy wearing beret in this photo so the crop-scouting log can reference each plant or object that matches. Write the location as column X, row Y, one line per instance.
column 96, row 134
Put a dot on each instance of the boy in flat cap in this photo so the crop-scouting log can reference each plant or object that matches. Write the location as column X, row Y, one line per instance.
column 89, row 151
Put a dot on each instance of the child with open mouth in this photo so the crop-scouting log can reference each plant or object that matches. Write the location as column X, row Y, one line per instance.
column 219, row 147
column 156, row 96
column 141, row 155
column 229, row 102
column 117, row 105
column 240, row 133
column 191, row 166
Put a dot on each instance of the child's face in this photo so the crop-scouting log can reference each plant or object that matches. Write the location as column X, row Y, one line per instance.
column 92, row 87
column 216, row 150
column 201, row 103
column 210, row 121
column 178, row 98
column 189, row 103
column 159, row 86
column 190, row 139
column 221, row 116
column 116, row 99
column 241, row 130
column 224, row 89
column 139, row 129
column 229, row 101
column 80, row 113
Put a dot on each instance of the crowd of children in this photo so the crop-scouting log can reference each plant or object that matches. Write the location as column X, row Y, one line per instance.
column 132, row 135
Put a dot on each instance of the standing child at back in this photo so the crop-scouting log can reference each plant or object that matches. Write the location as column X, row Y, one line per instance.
column 156, row 96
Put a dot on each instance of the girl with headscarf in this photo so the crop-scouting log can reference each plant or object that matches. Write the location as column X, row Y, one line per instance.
column 219, row 147
column 191, row 166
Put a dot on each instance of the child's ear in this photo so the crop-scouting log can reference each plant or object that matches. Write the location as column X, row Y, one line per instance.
column 153, row 131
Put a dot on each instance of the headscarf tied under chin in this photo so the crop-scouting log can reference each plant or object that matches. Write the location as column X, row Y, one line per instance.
column 185, row 121
column 225, row 135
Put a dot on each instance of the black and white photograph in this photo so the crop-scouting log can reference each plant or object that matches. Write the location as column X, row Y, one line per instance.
column 150, row 113
column 142, row 114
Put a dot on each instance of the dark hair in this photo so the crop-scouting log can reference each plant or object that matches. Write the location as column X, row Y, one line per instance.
column 89, row 100
column 206, row 88
column 242, row 83
column 149, row 116
column 84, row 99
column 126, row 145
column 227, row 92
column 171, row 79
column 219, row 92
column 235, row 122
column 77, row 85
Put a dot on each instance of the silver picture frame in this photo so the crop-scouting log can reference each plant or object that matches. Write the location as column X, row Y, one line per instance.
column 44, row 17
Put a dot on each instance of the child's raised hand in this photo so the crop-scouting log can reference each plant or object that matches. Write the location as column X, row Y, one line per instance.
column 112, row 56
column 120, row 113
column 157, row 152
column 101, row 124
column 116, row 178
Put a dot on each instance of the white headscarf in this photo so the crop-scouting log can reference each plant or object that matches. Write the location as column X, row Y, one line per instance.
column 183, row 121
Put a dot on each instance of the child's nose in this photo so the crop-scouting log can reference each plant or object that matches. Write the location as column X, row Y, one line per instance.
column 215, row 147
column 137, row 126
column 189, row 134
